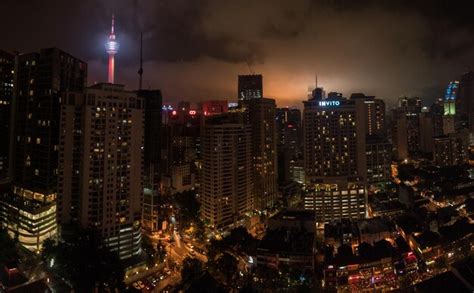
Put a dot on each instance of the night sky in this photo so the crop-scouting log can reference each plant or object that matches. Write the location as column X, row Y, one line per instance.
column 194, row 49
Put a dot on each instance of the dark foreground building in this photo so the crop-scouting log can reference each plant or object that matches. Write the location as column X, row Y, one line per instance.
column 41, row 77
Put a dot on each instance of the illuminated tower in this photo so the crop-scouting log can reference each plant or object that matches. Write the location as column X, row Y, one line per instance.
column 450, row 107
column 112, row 48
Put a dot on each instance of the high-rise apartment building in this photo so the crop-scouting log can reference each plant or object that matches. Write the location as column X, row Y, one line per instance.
column 427, row 130
column 180, row 147
column 450, row 150
column 436, row 114
column 375, row 114
column 335, row 158
column 101, row 165
column 152, row 159
column 406, row 134
column 6, row 96
column 226, row 179
column 465, row 104
column 40, row 79
column 289, row 140
column 379, row 159
column 250, row 87
column 261, row 117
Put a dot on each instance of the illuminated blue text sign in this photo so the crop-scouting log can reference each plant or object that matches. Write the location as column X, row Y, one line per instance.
column 329, row 103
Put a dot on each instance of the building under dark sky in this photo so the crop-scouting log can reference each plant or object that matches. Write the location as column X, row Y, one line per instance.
column 205, row 44
column 6, row 95
column 41, row 78
column 250, row 87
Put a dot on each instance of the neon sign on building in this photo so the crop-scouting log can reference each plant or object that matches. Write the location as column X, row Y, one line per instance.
column 329, row 103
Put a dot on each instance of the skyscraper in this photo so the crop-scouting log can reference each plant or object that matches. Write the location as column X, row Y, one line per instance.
column 466, row 100
column 375, row 114
column 152, row 161
column 427, row 130
column 180, row 146
column 261, row 117
column 449, row 113
column 112, row 47
column 101, row 165
column 250, row 87
column 437, row 117
column 40, row 79
column 6, row 96
column 289, row 140
column 407, row 127
column 379, row 159
column 335, row 159
column 226, row 181
column 450, row 150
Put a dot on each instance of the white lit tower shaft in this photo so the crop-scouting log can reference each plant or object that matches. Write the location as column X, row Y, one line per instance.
column 112, row 48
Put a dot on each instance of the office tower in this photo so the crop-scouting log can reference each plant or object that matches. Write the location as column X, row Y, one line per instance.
column 466, row 100
column 6, row 96
column 450, row 150
column 449, row 113
column 378, row 154
column 226, row 181
column 180, row 150
column 335, row 159
column 437, row 117
column 261, row 117
column 40, row 79
column 250, row 87
column 427, row 130
column 112, row 47
column 375, row 114
column 406, row 134
column 152, row 159
column 213, row 107
column 289, row 140
column 101, row 165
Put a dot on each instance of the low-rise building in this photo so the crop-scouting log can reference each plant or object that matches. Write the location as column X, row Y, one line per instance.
column 291, row 247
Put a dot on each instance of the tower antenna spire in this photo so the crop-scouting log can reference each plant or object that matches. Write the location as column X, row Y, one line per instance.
column 113, row 24
column 140, row 71
column 316, row 80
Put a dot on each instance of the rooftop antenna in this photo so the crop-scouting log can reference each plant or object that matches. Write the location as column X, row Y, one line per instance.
column 250, row 67
column 140, row 71
column 316, row 80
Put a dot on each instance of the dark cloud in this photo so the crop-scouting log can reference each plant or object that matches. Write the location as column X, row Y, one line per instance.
column 195, row 49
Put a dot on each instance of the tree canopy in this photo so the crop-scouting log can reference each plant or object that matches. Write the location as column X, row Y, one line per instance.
column 85, row 262
column 8, row 250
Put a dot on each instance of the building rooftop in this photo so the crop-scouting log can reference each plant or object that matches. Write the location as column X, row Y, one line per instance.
column 287, row 241
column 374, row 225
column 338, row 229
column 428, row 239
column 409, row 223
column 459, row 229
column 296, row 215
